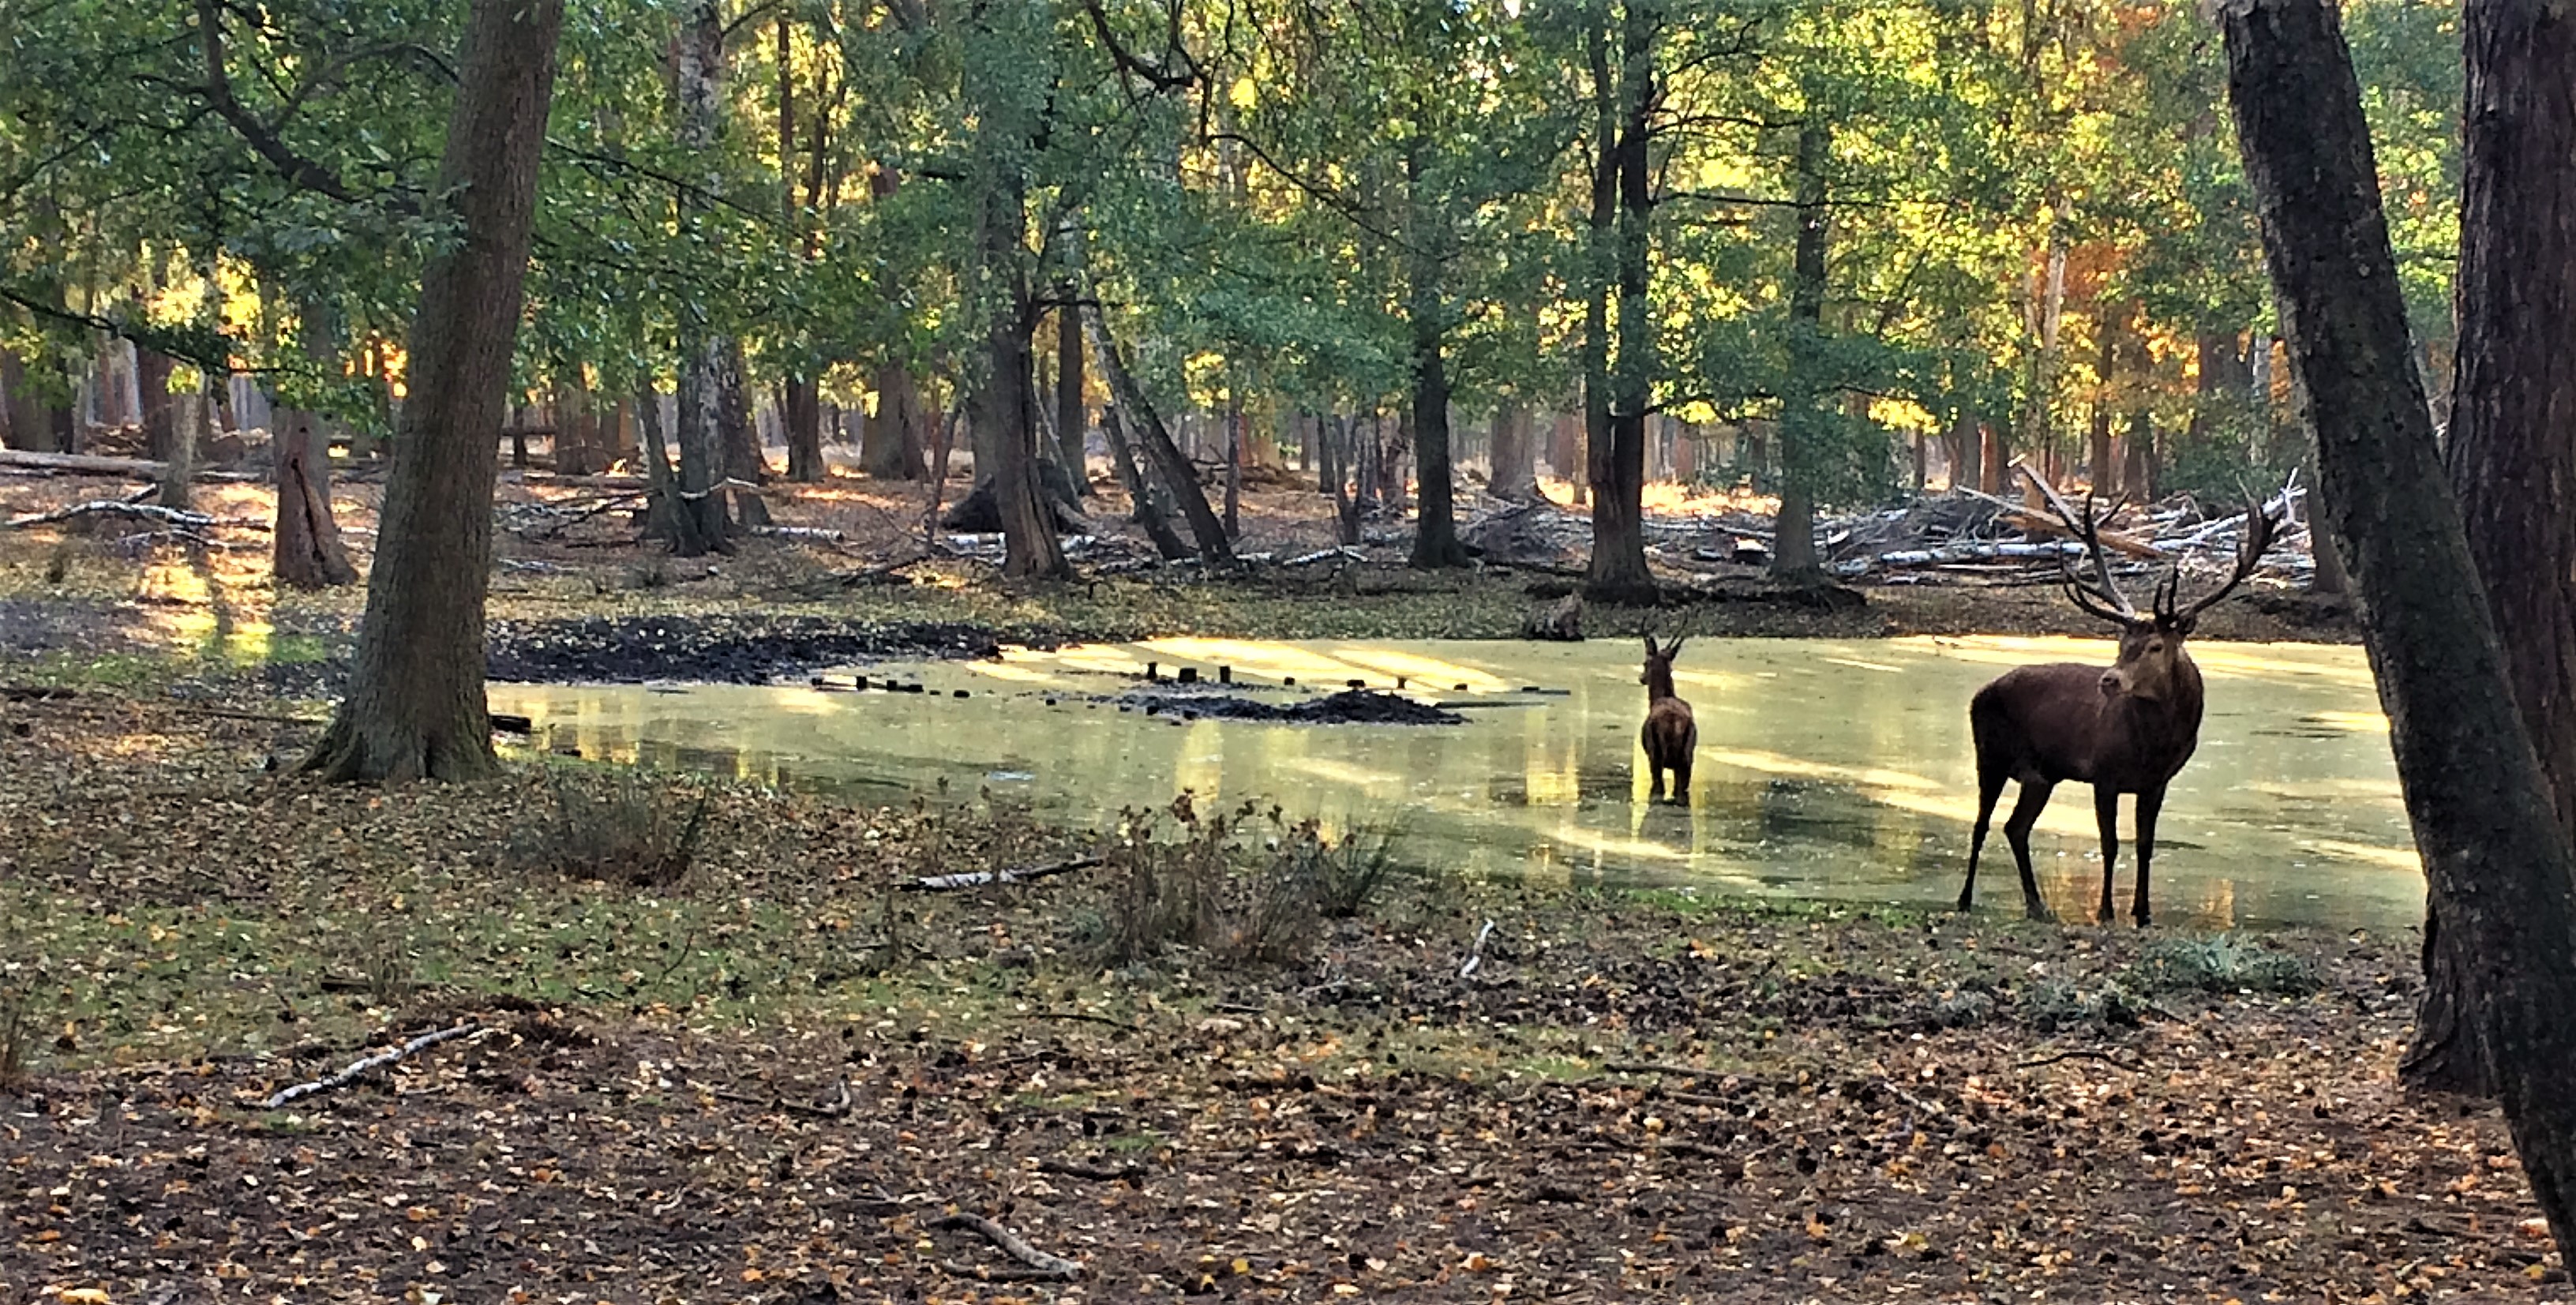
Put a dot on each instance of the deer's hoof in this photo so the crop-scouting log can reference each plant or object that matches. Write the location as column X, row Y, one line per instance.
column 2039, row 911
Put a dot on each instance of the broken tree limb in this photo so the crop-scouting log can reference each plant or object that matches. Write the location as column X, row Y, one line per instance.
column 91, row 464
column 172, row 517
column 365, row 1065
column 1052, row 1267
column 979, row 878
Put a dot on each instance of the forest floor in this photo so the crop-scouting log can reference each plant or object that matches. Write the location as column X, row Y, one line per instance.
column 773, row 1076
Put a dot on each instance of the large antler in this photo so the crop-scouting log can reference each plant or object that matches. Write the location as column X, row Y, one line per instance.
column 2102, row 598
column 2259, row 522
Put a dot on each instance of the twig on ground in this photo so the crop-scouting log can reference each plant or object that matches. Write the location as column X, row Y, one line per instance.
column 360, row 1067
column 1096, row 1173
column 979, row 878
column 2081, row 1053
column 1053, row 1268
column 1476, row 953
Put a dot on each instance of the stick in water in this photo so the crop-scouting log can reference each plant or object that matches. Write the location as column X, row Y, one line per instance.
column 378, row 1061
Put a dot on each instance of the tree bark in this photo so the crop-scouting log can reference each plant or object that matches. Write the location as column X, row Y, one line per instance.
column 743, row 459
column 2502, row 877
column 802, row 411
column 1179, row 478
column 1967, row 451
column 1234, row 466
column 415, row 706
column 1147, row 512
column 1072, row 414
column 2512, row 450
column 305, row 547
column 1803, row 419
column 1622, row 205
column 700, row 518
column 152, row 390
column 663, row 511
column 1515, row 458
column 890, row 443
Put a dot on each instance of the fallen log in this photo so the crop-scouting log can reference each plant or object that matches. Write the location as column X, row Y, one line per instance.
column 979, row 878
column 173, row 517
column 134, row 468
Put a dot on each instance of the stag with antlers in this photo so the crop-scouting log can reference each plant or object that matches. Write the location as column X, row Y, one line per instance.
column 2125, row 729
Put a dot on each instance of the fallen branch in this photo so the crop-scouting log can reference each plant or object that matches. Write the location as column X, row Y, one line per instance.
column 833, row 1111
column 1052, row 1268
column 367, row 1064
column 1476, row 953
column 2081, row 1054
column 174, row 517
column 136, row 468
column 1095, row 1173
column 979, row 878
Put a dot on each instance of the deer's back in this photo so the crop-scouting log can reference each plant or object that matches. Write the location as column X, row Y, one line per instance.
column 2052, row 722
column 1669, row 726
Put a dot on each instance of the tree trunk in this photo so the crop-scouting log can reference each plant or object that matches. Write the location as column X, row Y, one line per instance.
column 306, row 552
column 1515, row 458
column 1968, row 451
column 2512, row 450
column 2103, row 474
column 1139, row 486
column 743, row 460
column 1615, row 408
column 2495, row 850
column 2138, row 478
column 1180, row 479
column 38, row 422
column 1072, row 415
column 702, row 524
column 415, row 706
column 152, row 389
column 1005, row 405
column 891, row 443
column 664, row 516
column 1234, row 466
column 802, row 411
column 1803, row 432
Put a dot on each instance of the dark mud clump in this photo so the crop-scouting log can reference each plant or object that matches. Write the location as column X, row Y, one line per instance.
column 1349, row 707
column 718, row 649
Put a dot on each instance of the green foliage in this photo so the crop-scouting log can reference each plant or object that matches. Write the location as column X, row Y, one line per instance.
column 1245, row 887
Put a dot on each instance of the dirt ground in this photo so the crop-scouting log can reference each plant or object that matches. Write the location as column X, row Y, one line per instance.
column 772, row 1080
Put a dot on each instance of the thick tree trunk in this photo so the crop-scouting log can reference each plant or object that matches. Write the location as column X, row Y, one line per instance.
column 1622, row 203
column 1180, row 479
column 2512, row 450
column 891, row 443
column 1803, row 416
column 415, row 705
column 1005, row 403
column 38, row 422
column 2486, row 822
column 741, row 435
column 1967, row 451
column 802, row 411
column 305, row 547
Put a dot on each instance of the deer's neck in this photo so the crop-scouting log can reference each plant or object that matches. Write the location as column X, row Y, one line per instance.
column 1659, row 684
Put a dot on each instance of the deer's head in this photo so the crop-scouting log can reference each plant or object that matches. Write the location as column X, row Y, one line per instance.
column 1658, row 675
column 2151, row 642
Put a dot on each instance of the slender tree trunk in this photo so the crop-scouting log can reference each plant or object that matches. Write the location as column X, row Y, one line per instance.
column 665, row 516
column 1072, row 415
column 703, row 525
column 1622, row 204
column 415, row 705
column 152, row 390
column 1234, row 466
column 1968, row 451
column 2103, row 472
column 2512, row 450
column 743, row 459
column 802, row 412
column 2486, row 820
column 1802, row 421
column 1180, row 479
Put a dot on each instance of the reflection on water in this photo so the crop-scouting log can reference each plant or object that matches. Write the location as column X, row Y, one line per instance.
column 1826, row 769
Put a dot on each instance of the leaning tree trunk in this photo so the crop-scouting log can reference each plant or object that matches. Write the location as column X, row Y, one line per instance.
column 1162, row 456
column 740, row 435
column 1802, row 426
column 664, row 515
column 2512, row 451
column 1139, row 486
column 2501, row 872
column 415, row 705
column 305, row 548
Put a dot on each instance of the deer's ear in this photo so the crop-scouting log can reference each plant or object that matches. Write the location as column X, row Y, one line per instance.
column 2183, row 625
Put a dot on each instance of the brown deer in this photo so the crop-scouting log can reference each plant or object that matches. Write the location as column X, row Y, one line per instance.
column 1670, row 734
column 2125, row 729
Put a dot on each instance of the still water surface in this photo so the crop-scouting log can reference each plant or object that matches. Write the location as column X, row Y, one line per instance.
column 1827, row 769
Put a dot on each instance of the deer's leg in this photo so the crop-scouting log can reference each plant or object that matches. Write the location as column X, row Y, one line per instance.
column 2034, row 797
column 2106, row 813
column 1990, row 786
column 1681, row 780
column 2149, row 803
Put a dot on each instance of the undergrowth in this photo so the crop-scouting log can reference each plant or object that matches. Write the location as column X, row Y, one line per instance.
column 1247, row 886
column 626, row 830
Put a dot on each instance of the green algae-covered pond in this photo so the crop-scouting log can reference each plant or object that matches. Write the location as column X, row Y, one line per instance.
column 1827, row 769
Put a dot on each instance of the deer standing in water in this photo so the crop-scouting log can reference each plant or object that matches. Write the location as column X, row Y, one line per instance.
column 1670, row 734
column 2125, row 729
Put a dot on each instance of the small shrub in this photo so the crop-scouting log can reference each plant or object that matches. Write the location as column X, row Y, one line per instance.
column 2223, row 962
column 2057, row 1004
column 629, row 831
column 58, row 563
column 1245, row 887
column 655, row 573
